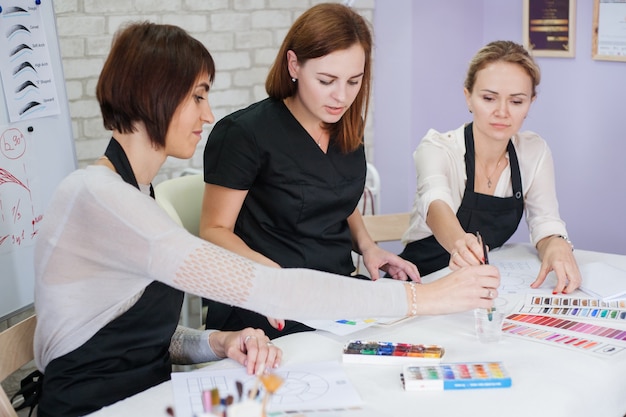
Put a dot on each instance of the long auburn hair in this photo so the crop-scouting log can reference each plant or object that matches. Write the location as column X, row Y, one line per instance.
column 321, row 30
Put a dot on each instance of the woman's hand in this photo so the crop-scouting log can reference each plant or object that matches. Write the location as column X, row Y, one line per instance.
column 278, row 324
column 250, row 347
column 557, row 255
column 466, row 252
column 377, row 259
column 465, row 289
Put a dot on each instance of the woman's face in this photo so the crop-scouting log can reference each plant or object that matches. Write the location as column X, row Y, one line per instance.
column 500, row 100
column 185, row 130
column 327, row 86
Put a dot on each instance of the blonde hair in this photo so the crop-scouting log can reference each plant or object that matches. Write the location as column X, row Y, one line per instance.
column 504, row 51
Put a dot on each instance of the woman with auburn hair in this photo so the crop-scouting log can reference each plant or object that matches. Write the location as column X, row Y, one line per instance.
column 284, row 176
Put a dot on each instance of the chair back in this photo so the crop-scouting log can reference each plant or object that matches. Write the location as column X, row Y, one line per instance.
column 181, row 198
column 16, row 350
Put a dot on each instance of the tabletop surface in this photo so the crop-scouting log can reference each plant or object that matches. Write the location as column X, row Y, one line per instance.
column 547, row 380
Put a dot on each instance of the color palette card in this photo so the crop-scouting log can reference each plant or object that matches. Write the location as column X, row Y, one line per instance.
column 572, row 306
column 571, row 334
column 455, row 376
column 363, row 351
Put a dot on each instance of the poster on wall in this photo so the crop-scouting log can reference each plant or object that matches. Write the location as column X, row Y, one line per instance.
column 609, row 30
column 549, row 27
column 29, row 85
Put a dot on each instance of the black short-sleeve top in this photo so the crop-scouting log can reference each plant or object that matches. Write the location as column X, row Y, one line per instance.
column 299, row 198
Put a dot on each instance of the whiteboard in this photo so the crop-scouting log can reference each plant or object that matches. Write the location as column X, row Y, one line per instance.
column 36, row 142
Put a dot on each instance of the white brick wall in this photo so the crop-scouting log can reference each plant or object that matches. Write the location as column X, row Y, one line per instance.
column 242, row 35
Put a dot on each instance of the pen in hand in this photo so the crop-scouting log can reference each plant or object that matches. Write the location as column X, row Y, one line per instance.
column 485, row 262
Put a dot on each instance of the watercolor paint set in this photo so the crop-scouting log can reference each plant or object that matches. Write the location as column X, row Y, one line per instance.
column 455, row 376
column 361, row 351
column 584, row 308
column 572, row 334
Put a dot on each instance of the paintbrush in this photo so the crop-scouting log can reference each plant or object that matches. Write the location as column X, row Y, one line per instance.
column 259, row 373
column 486, row 262
column 239, row 386
column 271, row 383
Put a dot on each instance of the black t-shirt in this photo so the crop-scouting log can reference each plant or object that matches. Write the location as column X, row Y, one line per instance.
column 299, row 198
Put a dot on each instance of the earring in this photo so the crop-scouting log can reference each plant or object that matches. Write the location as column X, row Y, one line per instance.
column 294, row 79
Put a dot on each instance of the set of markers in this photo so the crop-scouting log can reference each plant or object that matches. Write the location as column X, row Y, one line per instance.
column 422, row 367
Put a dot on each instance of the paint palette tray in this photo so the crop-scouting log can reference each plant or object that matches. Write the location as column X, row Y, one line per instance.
column 361, row 351
column 455, row 376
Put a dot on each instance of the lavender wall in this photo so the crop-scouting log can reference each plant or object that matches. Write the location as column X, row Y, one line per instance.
column 422, row 50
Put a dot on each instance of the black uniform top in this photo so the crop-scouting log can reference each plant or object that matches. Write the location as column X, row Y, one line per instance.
column 299, row 198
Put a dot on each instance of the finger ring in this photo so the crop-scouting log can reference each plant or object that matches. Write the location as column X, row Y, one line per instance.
column 270, row 344
column 248, row 337
column 490, row 294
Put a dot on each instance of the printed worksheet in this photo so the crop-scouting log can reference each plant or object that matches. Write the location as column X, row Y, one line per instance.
column 310, row 386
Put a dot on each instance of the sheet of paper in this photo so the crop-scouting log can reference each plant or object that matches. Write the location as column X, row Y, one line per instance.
column 308, row 386
column 603, row 280
column 516, row 276
column 347, row 326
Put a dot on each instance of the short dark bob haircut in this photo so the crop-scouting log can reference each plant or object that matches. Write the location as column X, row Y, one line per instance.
column 150, row 70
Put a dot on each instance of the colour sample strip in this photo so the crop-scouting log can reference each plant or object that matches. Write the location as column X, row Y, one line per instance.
column 571, row 325
column 571, row 302
column 584, row 308
column 590, row 344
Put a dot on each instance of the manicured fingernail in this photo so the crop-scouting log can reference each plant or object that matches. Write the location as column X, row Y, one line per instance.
column 280, row 326
column 554, row 292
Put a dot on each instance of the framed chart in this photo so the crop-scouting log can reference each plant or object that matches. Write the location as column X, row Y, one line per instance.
column 549, row 27
column 609, row 30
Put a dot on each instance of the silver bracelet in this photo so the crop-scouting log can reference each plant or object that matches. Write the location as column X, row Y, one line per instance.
column 567, row 240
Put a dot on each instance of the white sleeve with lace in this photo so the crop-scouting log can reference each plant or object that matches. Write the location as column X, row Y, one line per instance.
column 298, row 294
column 190, row 346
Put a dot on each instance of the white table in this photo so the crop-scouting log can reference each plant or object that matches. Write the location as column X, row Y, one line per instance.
column 547, row 380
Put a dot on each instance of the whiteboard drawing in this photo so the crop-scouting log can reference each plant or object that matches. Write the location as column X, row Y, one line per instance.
column 19, row 214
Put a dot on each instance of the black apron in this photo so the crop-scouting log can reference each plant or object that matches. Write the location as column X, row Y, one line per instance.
column 496, row 218
column 125, row 357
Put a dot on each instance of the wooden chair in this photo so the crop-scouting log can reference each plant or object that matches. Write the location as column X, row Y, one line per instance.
column 383, row 228
column 386, row 227
column 16, row 350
